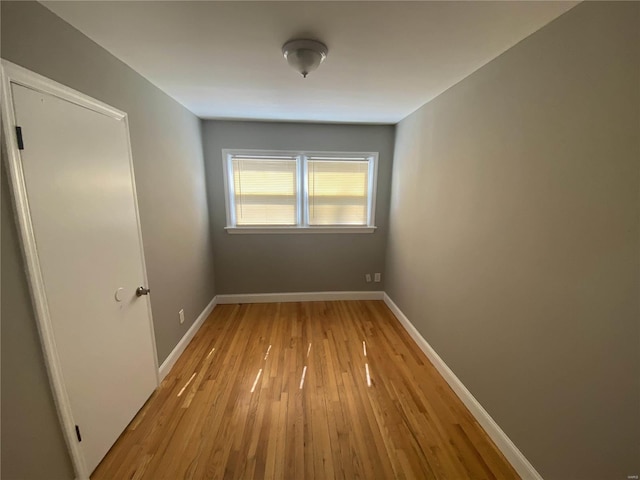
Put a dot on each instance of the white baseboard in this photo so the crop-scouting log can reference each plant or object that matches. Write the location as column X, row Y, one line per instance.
column 297, row 297
column 166, row 366
column 502, row 441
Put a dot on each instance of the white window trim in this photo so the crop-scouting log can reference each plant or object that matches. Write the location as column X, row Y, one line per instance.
column 297, row 230
column 302, row 193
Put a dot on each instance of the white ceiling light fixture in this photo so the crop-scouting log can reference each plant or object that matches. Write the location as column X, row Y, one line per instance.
column 304, row 55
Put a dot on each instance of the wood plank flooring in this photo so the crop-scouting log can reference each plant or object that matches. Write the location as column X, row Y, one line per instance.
column 303, row 390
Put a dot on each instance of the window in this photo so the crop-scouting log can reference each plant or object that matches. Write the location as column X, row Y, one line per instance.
column 264, row 191
column 299, row 192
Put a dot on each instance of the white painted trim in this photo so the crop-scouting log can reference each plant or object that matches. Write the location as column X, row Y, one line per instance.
column 373, row 188
column 145, row 278
column 228, row 187
column 502, row 441
column 14, row 74
column 299, row 230
column 297, row 297
column 21, row 76
column 303, row 192
column 173, row 357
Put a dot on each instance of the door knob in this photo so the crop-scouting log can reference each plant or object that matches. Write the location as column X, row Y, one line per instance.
column 142, row 291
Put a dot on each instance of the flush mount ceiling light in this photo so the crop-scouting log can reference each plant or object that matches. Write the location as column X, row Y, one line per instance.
column 304, row 55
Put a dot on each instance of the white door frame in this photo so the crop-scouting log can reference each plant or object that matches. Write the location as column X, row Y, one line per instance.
column 11, row 73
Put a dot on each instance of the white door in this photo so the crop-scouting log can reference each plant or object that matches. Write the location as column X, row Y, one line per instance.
column 80, row 192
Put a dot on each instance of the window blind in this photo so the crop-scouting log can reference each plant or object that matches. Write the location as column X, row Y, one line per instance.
column 265, row 190
column 338, row 192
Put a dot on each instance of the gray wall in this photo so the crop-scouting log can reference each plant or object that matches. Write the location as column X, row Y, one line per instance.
column 514, row 239
column 168, row 161
column 296, row 262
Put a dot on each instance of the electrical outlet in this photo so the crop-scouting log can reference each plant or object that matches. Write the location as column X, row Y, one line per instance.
column 376, row 277
column 367, row 277
column 181, row 315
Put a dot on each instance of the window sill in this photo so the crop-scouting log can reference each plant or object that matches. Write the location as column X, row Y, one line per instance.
column 297, row 230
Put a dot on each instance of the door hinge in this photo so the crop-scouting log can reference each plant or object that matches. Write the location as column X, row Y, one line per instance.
column 19, row 137
column 78, row 433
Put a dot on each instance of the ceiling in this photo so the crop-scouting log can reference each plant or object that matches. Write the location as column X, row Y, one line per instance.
column 386, row 59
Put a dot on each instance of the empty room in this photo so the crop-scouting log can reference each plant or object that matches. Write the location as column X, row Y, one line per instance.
column 320, row 239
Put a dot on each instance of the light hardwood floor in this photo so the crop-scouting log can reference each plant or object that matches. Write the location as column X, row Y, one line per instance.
column 303, row 390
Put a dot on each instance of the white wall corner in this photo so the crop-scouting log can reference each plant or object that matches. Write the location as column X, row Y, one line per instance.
column 502, row 441
column 173, row 357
